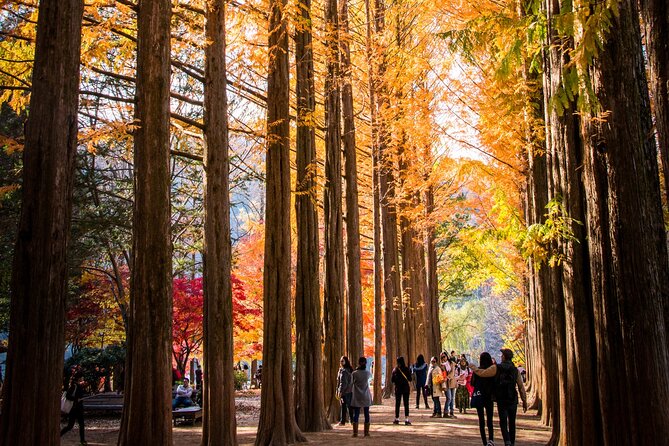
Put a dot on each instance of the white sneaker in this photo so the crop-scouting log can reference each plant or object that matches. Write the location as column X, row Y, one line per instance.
column 490, row 443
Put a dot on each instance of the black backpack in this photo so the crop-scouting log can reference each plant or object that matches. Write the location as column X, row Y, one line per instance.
column 505, row 383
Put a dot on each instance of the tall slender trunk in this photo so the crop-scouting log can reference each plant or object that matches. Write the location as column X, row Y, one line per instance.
column 354, row 335
column 148, row 362
column 432, row 290
column 309, row 409
column 219, row 425
column 626, row 240
column 378, row 269
column 277, row 424
column 655, row 14
column 30, row 412
column 334, row 249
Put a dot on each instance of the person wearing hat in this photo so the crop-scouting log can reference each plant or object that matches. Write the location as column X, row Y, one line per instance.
column 507, row 379
column 184, row 393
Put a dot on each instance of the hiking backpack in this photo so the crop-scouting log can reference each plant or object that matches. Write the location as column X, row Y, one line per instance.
column 505, row 384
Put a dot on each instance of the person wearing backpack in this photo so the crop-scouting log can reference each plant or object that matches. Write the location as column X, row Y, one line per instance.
column 507, row 379
column 482, row 399
column 419, row 375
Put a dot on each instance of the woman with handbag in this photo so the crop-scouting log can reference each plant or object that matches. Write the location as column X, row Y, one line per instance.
column 462, row 373
column 482, row 399
column 435, row 385
column 75, row 391
column 401, row 377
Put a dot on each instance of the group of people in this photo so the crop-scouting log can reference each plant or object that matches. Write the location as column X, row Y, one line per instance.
column 464, row 385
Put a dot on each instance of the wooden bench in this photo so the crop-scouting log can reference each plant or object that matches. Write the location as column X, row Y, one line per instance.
column 188, row 415
column 103, row 402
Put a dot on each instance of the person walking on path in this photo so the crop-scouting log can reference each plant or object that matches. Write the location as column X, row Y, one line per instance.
column 75, row 391
column 462, row 372
column 507, row 379
column 345, row 389
column 482, row 400
column 362, row 397
column 435, row 384
column 419, row 369
column 451, row 385
column 401, row 377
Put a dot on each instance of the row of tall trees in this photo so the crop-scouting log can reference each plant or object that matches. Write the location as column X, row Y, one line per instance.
column 586, row 155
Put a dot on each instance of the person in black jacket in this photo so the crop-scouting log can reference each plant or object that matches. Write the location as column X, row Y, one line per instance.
column 420, row 371
column 401, row 378
column 483, row 391
column 75, row 391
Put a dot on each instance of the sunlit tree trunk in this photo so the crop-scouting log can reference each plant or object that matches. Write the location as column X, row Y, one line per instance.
column 354, row 335
column 378, row 268
column 147, row 417
column 432, row 290
column 333, row 317
column 219, row 425
column 33, row 379
column 309, row 409
column 277, row 424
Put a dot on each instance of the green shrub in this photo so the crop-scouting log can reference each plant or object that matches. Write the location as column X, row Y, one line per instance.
column 240, row 379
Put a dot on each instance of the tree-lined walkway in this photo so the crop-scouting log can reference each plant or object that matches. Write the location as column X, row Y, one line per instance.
column 423, row 431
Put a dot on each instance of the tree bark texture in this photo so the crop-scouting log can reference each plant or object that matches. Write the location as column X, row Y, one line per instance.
column 334, row 250
column 354, row 335
column 309, row 402
column 219, row 425
column 655, row 15
column 433, row 326
column 277, row 425
column 378, row 268
column 30, row 411
column 147, row 416
column 626, row 240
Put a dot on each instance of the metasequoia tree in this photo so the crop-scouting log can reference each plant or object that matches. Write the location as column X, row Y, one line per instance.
column 277, row 425
column 333, row 316
column 30, row 412
column 309, row 402
column 629, row 280
column 376, row 203
column 655, row 14
column 219, row 425
column 354, row 336
column 147, row 417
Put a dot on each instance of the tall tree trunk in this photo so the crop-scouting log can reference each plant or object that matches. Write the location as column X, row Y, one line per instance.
column 147, row 417
column 219, row 425
column 626, row 240
column 432, row 290
column 334, row 249
column 378, row 269
column 655, row 14
column 396, row 341
column 277, row 425
column 309, row 409
column 354, row 335
column 30, row 412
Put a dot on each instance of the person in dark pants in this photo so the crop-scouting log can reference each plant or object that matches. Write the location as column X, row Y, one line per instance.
column 484, row 387
column 345, row 389
column 420, row 371
column 362, row 397
column 75, row 391
column 401, row 377
column 507, row 379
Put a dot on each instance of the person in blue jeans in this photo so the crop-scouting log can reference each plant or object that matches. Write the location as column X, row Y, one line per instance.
column 362, row 397
column 507, row 379
column 184, row 393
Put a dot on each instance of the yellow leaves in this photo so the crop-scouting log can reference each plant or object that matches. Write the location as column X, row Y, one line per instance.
column 10, row 145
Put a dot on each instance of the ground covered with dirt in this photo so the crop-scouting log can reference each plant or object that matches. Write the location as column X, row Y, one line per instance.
column 423, row 431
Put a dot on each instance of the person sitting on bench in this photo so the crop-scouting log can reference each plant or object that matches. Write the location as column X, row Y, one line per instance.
column 184, row 392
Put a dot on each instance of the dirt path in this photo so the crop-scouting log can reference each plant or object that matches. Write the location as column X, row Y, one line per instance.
column 424, row 430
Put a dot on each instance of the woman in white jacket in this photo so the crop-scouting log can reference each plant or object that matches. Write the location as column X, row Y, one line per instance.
column 435, row 385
